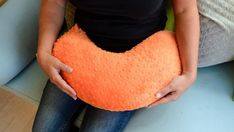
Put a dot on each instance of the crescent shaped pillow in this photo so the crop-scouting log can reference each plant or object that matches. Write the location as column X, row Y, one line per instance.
column 118, row 81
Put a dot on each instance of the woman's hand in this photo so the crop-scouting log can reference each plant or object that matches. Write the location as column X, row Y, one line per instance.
column 50, row 22
column 187, row 31
column 52, row 67
column 174, row 90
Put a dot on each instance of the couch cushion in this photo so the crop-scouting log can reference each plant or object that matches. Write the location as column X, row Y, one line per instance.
column 154, row 60
column 205, row 107
column 30, row 82
column 18, row 36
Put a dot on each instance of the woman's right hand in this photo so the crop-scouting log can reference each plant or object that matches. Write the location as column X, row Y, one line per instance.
column 52, row 67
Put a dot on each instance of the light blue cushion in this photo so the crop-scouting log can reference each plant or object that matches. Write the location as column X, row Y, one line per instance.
column 205, row 107
column 18, row 36
column 30, row 82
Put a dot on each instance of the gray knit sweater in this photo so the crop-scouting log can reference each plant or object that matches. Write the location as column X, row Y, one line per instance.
column 217, row 32
column 220, row 11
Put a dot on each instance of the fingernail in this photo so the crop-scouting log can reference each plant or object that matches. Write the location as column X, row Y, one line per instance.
column 75, row 98
column 158, row 95
column 70, row 69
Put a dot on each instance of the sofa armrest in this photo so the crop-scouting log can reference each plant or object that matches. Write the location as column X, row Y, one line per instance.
column 30, row 82
column 18, row 36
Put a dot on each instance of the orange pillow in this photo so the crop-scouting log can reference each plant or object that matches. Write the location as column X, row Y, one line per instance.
column 118, row 81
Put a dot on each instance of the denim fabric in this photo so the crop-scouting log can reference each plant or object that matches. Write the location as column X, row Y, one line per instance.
column 57, row 111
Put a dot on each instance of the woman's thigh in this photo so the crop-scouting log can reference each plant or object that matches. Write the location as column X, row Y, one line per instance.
column 56, row 110
column 98, row 120
column 216, row 44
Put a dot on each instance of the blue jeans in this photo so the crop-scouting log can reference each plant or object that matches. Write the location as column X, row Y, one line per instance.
column 57, row 111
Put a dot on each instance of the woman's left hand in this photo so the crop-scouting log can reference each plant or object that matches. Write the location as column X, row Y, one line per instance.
column 174, row 90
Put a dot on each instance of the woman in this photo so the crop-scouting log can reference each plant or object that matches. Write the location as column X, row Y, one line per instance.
column 109, row 23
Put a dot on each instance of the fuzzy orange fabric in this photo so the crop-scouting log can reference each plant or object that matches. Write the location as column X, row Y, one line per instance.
column 118, row 81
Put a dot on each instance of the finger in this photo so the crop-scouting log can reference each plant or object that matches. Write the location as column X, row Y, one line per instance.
column 170, row 97
column 64, row 67
column 163, row 100
column 66, row 87
column 68, row 93
column 163, row 92
column 57, row 79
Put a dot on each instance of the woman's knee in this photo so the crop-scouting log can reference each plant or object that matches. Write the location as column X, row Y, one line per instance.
column 56, row 110
column 105, row 121
column 44, row 125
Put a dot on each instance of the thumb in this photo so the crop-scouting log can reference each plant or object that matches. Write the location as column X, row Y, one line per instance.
column 65, row 67
column 164, row 91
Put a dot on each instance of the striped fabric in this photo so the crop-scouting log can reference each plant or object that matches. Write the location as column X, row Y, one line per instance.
column 220, row 11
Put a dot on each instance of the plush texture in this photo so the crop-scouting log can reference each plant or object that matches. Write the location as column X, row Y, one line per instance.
column 118, row 81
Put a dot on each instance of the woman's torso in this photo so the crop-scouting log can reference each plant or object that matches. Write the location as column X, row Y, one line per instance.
column 120, row 23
